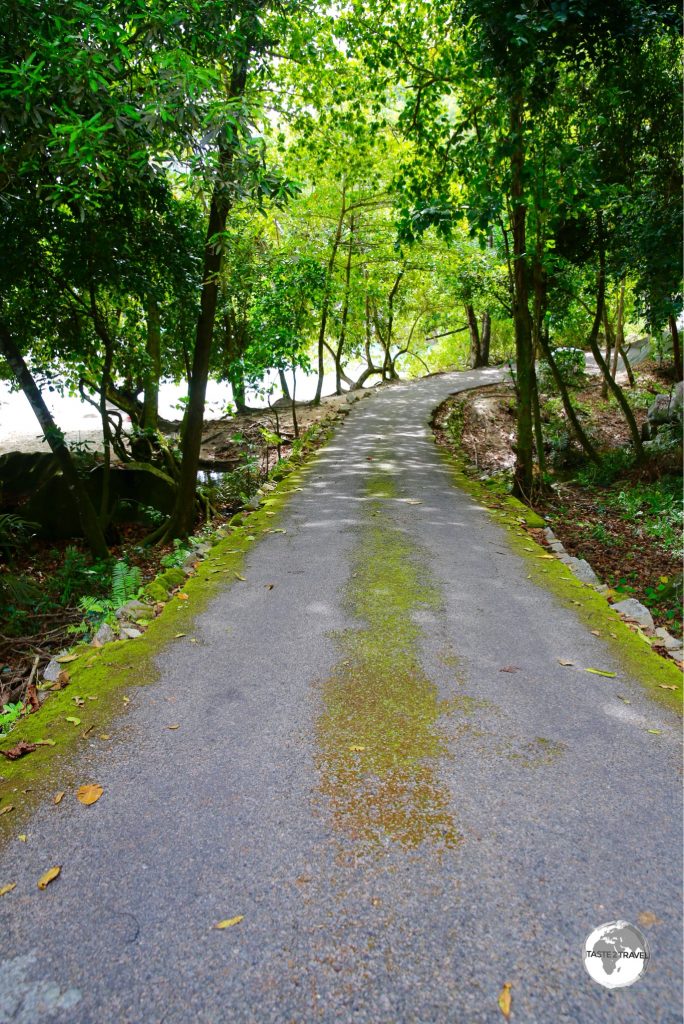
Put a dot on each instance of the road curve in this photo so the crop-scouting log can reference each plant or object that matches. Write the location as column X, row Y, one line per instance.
column 402, row 827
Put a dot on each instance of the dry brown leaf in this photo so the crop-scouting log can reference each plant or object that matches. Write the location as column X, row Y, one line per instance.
column 89, row 794
column 269, row 586
column 104, row 736
column 61, row 681
column 19, row 750
column 7, row 888
column 65, row 658
column 505, row 1000
column 565, row 662
column 58, row 797
column 667, row 686
column 510, row 668
column 7, row 809
column 182, row 597
column 229, row 922
column 596, row 632
column 32, row 697
column 174, row 726
column 49, row 876
column 647, row 918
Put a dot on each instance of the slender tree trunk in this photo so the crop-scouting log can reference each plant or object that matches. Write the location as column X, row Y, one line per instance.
column 619, row 329
column 237, row 383
column 676, row 348
column 538, row 434
column 327, row 291
column 593, row 342
column 567, row 403
column 295, row 424
column 284, row 386
column 485, row 338
column 475, row 356
column 106, row 436
column 610, row 347
column 55, row 438
column 345, row 311
column 388, row 369
column 182, row 519
column 524, row 460
column 150, row 418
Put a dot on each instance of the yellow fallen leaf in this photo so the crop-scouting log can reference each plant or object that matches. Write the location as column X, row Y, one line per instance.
column 49, row 876
column 194, row 640
column 22, row 838
column 182, row 597
column 600, row 672
column 505, row 1000
column 7, row 809
column 58, row 797
column 104, row 736
column 596, row 632
column 65, row 658
column 174, row 726
column 545, row 556
column 655, row 732
column 89, row 794
column 126, row 700
column 645, row 918
column 73, row 720
column 667, row 686
column 664, row 579
column 177, row 636
column 7, row 888
column 356, row 748
column 239, row 577
column 229, row 922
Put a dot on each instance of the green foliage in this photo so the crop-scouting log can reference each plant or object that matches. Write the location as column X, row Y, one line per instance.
column 614, row 465
column 126, row 583
column 15, row 533
column 176, row 558
column 572, row 365
column 9, row 715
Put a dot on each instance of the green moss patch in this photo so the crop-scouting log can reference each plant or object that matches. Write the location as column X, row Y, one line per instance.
column 379, row 735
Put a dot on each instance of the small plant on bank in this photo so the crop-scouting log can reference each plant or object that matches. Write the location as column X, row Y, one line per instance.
column 9, row 715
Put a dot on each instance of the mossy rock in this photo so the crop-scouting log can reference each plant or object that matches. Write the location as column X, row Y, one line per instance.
column 171, row 578
column 155, row 592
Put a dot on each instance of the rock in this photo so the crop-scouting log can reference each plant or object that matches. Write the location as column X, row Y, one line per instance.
column 601, row 588
column 659, row 411
column 583, row 571
column 634, row 610
column 669, row 642
column 556, row 546
column 677, row 401
column 104, row 635
column 133, row 610
column 52, row 670
column 549, row 535
column 130, row 633
column 254, row 502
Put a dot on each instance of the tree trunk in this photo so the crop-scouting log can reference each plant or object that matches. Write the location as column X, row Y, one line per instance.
column 610, row 347
column 55, row 438
column 182, row 519
column 475, row 356
column 567, row 403
column 284, row 386
column 485, row 338
column 524, row 459
column 237, row 383
column 150, row 416
column 326, row 295
column 619, row 329
column 339, row 354
column 676, row 348
column 593, row 343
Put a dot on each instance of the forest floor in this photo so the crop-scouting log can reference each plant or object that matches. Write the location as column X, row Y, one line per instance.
column 377, row 763
column 627, row 525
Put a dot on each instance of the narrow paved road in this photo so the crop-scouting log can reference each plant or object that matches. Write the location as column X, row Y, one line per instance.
column 403, row 826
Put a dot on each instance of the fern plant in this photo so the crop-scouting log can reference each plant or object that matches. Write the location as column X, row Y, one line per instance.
column 126, row 582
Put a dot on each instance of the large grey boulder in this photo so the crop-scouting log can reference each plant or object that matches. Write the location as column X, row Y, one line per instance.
column 636, row 611
column 659, row 410
column 104, row 635
column 583, row 571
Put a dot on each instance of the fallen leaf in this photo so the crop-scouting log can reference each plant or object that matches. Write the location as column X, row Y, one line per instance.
column 667, row 686
column 510, row 668
column 279, row 531
column 356, row 748
column 655, row 732
column 73, row 720
column 194, row 640
column 600, row 672
column 229, row 922
column 413, row 501
column 596, row 632
column 104, row 736
column 7, row 888
column 19, row 750
column 505, row 1000
column 22, row 838
column 545, row 556
column 239, row 577
column 126, row 700
column 45, row 743
column 182, row 597
column 61, row 681
column 65, row 658
column 623, row 699
column 58, row 797
column 78, row 701
column 179, row 635
column 646, row 918
column 269, row 586
column 49, row 876
column 89, row 794
column 174, row 726
column 32, row 697
column 7, row 809
column 565, row 662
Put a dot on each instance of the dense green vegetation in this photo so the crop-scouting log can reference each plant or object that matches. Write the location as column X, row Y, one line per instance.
column 224, row 191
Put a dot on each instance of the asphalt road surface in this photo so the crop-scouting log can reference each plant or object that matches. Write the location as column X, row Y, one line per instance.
column 402, row 827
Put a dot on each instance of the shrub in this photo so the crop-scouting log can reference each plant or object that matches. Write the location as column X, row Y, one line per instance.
column 572, row 365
